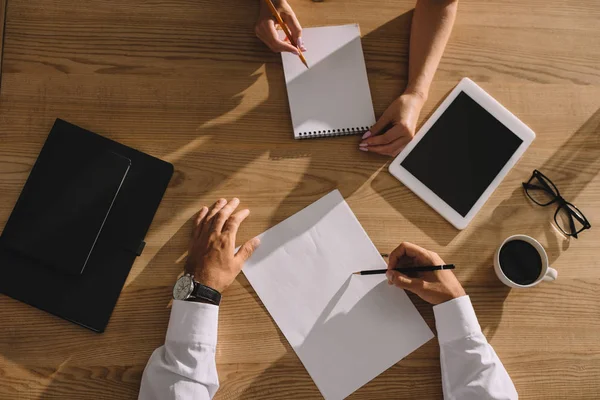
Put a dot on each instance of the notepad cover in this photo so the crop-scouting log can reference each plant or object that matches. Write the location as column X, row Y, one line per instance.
column 64, row 204
column 88, row 299
column 331, row 97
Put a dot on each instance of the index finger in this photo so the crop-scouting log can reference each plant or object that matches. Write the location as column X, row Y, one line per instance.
column 383, row 122
column 271, row 38
column 395, row 256
column 395, row 132
column 405, row 249
column 293, row 25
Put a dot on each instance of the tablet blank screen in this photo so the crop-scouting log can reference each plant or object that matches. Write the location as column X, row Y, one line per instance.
column 462, row 153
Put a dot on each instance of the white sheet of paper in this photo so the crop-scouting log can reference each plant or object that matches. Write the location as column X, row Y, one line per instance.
column 346, row 329
column 334, row 92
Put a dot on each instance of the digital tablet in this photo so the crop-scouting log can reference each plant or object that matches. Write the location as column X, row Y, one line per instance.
column 461, row 154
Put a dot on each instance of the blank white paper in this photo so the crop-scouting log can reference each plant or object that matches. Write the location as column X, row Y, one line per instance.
column 346, row 329
column 334, row 92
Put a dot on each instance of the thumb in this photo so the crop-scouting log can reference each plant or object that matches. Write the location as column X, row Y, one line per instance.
column 248, row 248
column 379, row 126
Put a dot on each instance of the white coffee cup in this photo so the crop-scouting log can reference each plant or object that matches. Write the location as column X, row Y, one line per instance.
column 548, row 273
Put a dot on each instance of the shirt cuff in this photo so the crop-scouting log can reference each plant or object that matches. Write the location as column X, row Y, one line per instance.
column 455, row 319
column 193, row 322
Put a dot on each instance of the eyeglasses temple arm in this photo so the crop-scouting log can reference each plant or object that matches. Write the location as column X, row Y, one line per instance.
column 583, row 221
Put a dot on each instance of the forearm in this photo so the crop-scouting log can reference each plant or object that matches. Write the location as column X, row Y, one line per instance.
column 471, row 370
column 431, row 27
column 184, row 368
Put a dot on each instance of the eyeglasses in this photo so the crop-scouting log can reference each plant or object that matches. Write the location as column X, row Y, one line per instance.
column 567, row 217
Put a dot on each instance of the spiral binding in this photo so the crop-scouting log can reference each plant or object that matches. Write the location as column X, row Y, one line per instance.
column 333, row 132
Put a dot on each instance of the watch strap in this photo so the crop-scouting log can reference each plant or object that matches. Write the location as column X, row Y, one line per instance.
column 205, row 293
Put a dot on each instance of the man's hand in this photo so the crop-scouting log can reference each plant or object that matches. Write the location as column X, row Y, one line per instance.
column 265, row 27
column 435, row 287
column 211, row 258
column 400, row 119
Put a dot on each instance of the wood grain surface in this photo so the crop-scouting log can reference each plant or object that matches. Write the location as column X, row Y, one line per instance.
column 2, row 20
column 188, row 82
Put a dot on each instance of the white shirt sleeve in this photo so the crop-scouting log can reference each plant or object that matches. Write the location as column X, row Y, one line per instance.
column 184, row 367
column 471, row 370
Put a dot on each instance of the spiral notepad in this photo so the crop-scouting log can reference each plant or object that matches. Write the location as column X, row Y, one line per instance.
column 332, row 97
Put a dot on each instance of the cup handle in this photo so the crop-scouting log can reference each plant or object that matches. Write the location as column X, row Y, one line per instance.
column 551, row 275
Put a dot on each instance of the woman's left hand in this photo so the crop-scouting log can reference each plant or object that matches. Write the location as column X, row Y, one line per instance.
column 401, row 118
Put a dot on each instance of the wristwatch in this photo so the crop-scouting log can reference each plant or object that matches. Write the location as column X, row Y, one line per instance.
column 186, row 288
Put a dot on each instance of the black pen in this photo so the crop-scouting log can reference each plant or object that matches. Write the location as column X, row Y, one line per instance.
column 405, row 270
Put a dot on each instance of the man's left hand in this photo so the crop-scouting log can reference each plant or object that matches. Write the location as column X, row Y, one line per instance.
column 212, row 258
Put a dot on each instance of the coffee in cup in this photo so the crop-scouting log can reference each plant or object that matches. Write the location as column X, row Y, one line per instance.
column 521, row 261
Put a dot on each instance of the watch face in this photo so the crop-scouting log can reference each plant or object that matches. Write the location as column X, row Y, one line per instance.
column 183, row 288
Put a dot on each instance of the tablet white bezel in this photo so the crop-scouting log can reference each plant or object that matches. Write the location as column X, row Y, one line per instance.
column 501, row 114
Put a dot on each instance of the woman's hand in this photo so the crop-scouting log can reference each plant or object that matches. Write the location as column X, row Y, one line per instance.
column 434, row 287
column 400, row 120
column 266, row 31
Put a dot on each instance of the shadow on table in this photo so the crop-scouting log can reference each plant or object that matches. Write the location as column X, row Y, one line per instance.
column 421, row 215
column 71, row 381
column 143, row 299
column 572, row 167
column 385, row 50
column 213, row 168
column 68, row 378
column 287, row 378
column 75, row 374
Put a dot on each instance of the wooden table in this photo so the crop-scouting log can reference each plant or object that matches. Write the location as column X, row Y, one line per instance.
column 187, row 81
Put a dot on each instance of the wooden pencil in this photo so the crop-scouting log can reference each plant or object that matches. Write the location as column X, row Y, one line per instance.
column 286, row 30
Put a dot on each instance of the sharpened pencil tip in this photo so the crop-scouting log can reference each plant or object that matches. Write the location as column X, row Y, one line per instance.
column 356, row 273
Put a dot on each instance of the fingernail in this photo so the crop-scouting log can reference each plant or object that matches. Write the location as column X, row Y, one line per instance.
column 389, row 275
column 363, row 149
column 364, row 144
column 303, row 48
column 295, row 52
column 222, row 201
column 235, row 200
column 366, row 135
column 300, row 42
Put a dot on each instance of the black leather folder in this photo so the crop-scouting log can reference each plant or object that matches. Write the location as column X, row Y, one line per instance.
column 79, row 225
